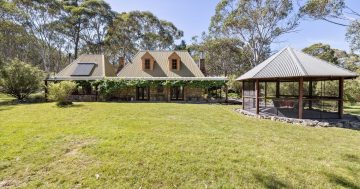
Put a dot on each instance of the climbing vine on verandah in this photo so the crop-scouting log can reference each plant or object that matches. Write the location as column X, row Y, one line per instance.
column 107, row 86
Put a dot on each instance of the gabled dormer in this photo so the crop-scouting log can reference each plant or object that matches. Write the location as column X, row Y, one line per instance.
column 148, row 61
column 174, row 62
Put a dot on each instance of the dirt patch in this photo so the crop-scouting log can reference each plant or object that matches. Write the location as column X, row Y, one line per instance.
column 75, row 147
column 8, row 183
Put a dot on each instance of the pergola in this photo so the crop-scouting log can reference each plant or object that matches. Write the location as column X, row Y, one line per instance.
column 294, row 84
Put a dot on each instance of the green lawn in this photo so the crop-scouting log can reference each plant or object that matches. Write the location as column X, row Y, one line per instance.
column 168, row 145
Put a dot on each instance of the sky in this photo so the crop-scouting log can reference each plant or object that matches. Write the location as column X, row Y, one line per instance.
column 193, row 17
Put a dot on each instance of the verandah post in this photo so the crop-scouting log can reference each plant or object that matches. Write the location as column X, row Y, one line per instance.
column 301, row 94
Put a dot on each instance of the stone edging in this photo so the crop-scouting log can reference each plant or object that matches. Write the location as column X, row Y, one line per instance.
column 305, row 122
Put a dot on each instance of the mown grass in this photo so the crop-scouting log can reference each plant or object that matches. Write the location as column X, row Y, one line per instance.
column 168, row 145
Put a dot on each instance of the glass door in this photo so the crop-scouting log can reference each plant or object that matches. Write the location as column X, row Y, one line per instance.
column 177, row 93
column 142, row 93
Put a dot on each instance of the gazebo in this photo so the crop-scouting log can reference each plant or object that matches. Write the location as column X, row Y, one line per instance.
column 294, row 84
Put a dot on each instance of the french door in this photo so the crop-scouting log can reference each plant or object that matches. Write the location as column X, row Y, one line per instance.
column 142, row 93
column 177, row 93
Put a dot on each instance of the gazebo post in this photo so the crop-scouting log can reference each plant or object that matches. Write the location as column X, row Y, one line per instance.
column 226, row 93
column 341, row 97
column 257, row 91
column 265, row 95
column 310, row 94
column 242, row 95
column 46, row 89
column 277, row 92
column 301, row 95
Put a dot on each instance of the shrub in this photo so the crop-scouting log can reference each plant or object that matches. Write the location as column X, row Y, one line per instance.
column 20, row 79
column 60, row 92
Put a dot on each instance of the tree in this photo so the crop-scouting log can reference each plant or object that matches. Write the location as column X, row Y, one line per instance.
column 322, row 51
column 353, row 35
column 140, row 30
column 181, row 46
column 20, row 79
column 336, row 12
column 60, row 92
column 99, row 19
column 257, row 23
column 223, row 56
column 37, row 17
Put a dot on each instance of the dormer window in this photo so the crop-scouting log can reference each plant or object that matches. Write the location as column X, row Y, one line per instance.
column 174, row 64
column 147, row 64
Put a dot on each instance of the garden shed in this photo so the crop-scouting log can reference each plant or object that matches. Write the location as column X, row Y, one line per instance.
column 294, row 84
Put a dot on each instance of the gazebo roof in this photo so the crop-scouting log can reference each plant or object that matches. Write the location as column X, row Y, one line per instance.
column 290, row 63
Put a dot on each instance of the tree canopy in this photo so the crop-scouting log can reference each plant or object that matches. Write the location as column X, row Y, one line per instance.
column 43, row 33
column 256, row 23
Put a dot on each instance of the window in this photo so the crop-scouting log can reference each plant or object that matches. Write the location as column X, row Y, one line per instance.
column 174, row 64
column 147, row 64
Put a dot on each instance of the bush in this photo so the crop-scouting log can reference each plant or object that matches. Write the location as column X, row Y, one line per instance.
column 20, row 79
column 60, row 92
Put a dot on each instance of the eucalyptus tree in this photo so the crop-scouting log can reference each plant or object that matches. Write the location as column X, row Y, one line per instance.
column 138, row 30
column 85, row 23
column 37, row 16
column 257, row 23
column 223, row 56
column 336, row 12
column 322, row 51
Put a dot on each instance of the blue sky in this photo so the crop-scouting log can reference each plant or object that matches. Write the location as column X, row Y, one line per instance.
column 193, row 17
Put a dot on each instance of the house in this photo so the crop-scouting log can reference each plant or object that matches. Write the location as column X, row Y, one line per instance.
column 168, row 76
column 294, row 84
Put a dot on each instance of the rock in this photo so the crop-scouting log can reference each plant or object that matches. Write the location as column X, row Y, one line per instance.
column 339, row 125
column 323, row 124
column 97, row 176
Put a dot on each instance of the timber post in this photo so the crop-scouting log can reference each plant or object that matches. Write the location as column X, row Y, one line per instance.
column 46, row 90
column 301, row 95
column 226, row 93
column 242, row 95
column 341, row 98
column 257, row 90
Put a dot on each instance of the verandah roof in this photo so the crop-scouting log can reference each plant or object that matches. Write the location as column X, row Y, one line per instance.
column 290, row 63
column 142, row 78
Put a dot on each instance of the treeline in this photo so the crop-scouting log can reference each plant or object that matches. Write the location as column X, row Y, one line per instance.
column 241, row 32
column 45, row 32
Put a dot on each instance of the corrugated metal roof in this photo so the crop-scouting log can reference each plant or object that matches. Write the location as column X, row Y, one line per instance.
column 102, row 68
column 188, row 67
column 289, row 63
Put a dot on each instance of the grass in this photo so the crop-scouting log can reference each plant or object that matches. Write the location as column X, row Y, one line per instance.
column 168, row 145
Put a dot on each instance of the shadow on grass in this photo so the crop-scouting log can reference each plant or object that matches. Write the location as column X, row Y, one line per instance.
column 352, row 158
column 339, row 180
column 270, row 181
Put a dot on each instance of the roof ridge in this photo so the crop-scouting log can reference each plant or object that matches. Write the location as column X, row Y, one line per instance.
column 269, row 60
column 296, row 60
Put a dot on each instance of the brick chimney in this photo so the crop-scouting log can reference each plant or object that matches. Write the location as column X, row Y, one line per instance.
column 202, row 63
column 121, row 64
